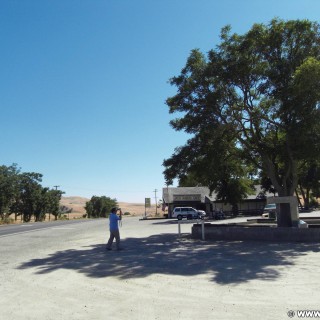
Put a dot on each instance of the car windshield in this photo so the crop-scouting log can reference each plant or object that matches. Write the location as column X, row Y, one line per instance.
column 271, row 205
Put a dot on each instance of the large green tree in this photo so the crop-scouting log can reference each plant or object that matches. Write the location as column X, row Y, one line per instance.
column 8, row 188
column 29, row 201
column 309, row 181
column 22, row 194
column 260, row 92
column 100, row 207
column 212, row 161
column 46, row 201
column 53, row 197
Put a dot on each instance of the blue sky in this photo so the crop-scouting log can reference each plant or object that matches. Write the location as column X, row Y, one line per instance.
column 83, row 84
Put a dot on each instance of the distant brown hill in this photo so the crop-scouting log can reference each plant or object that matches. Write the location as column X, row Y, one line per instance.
column 77, row 204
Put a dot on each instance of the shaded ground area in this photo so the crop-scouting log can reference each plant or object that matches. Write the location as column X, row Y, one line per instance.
column 226, row 262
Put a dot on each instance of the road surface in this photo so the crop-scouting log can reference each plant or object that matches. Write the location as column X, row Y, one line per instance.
column 62, row 271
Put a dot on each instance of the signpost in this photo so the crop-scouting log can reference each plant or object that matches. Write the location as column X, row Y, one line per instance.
column 147, row 204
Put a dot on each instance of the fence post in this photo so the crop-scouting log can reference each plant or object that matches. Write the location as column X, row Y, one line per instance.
column 202, row 229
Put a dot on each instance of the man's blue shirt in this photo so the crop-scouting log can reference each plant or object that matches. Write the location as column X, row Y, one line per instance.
column 113, row 219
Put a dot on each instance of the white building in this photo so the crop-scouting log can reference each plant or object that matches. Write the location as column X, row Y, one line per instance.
column 200, row 198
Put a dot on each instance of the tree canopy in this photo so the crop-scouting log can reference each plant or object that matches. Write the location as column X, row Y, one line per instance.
column 22, row 194
column 100, row 207
column 252, row 102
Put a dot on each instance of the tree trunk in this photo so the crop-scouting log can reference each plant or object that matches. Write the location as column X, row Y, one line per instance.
column 235, row 210
column 284, row 217
column 307, row 203
column 26, row 217
column 298, row 198
column 285, row 186
column 303, row 195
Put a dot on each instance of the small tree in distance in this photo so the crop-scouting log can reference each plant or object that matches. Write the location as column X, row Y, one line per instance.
column 100, row 207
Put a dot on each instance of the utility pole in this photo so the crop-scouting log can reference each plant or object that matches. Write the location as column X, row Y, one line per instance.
column 56, row 187
column 155, row 197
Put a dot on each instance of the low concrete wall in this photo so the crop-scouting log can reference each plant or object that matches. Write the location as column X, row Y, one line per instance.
column 260, row 233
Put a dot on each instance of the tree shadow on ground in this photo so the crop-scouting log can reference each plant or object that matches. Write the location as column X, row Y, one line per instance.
column 226, row 262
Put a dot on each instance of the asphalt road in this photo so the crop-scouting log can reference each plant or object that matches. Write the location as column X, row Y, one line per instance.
column 62, row 271
column 13, row 229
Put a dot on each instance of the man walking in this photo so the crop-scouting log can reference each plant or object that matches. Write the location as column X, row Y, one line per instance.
column 114, row 228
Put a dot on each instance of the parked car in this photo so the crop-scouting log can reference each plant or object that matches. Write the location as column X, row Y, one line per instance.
column 201, row 214
column 218, row 215
column 187, row 212
column 270, row 211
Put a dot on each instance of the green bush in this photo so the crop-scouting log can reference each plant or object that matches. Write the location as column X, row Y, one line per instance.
column 6, row 220
column 63, row 217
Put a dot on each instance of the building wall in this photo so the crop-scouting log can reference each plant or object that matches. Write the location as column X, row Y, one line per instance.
column 250, row 205
column 200, row 198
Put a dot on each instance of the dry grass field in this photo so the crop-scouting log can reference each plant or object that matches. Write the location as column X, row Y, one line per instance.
column 77, row 204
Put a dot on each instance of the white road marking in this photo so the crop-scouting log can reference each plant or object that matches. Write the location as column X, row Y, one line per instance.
column 15, row 233
column 40, row 229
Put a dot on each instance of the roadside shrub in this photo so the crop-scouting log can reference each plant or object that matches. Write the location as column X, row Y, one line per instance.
column 6, row 220
column 63, row 217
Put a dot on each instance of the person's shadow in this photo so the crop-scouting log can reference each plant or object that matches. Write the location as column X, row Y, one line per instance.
column 227, row 262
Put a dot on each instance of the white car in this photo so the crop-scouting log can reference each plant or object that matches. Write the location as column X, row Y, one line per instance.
column 270, row 210
column 187, row 212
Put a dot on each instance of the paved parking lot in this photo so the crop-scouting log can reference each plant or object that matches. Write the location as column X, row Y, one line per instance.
column 65, row 273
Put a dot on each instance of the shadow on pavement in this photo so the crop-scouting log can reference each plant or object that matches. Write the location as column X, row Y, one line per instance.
column 225, row 262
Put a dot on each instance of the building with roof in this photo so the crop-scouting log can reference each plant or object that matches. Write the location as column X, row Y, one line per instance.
column 201, row 199
column 196, row 197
